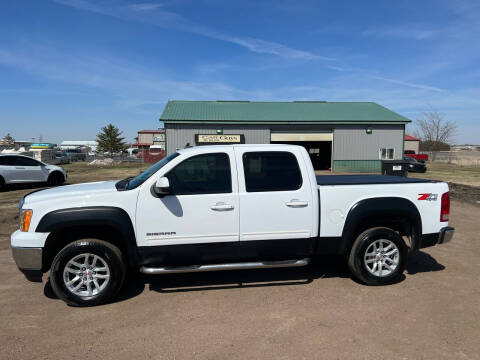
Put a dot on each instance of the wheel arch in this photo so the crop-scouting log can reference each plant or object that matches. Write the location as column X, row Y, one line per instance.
column 110, row 224
column 397, row 213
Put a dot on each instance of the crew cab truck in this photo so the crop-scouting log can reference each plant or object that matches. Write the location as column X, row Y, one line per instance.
column 229, row 207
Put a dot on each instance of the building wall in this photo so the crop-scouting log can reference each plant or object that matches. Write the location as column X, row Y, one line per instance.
column 356, row 151
column 178, row 135
column 353, row 149
column 412, row 145
column 353, row 142
column 145, row 138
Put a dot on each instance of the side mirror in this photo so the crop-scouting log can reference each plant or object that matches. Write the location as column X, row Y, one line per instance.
column 162, row 187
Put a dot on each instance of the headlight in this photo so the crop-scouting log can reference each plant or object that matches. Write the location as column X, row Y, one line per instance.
column 25, row 219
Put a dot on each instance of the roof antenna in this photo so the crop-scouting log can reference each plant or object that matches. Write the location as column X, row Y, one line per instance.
column 187, row 145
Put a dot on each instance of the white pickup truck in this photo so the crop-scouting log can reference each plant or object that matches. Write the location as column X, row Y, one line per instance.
column 222, row 208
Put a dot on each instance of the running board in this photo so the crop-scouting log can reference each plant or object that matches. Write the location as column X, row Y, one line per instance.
column 231, row 266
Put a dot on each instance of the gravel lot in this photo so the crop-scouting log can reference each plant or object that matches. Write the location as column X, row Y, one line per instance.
column 313, row 312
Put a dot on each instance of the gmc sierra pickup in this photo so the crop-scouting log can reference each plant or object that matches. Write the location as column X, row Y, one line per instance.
column 222, row 208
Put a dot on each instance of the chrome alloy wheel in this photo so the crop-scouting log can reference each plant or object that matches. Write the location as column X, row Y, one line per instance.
column 86, row 275
column 382, row 257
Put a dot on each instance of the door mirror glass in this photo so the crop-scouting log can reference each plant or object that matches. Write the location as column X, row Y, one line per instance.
column 162, row 187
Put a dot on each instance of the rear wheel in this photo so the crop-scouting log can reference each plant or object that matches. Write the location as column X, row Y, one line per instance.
column 378, row 256
column 2, row 184
column 88, row 272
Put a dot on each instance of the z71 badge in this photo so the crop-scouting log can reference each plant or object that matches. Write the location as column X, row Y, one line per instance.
column 428, row 197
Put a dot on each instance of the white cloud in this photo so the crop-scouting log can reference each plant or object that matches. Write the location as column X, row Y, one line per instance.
column 158, row 16
column 405, row 31
column 145, row 6
column 336, row 68
column 408, row 84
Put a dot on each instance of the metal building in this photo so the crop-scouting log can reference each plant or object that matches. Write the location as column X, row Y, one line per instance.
column 343, row 136
column 412, row 143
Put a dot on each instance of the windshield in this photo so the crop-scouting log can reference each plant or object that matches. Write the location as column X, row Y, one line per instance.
column 142, row 177
column 410, row 159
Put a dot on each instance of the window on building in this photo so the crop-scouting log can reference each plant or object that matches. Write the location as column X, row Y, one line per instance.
column 271, row 171
column 386, row 153
column 201, row 174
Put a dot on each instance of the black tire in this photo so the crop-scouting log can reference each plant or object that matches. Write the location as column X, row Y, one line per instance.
column 55, row 179
column 109, row 253
column 362, row 243
column 2, row 184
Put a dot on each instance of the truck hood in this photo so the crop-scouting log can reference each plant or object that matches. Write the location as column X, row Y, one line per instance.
column 86, row 190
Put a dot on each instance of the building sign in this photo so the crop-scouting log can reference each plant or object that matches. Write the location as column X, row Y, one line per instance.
column 42, row 146
column 216, row 139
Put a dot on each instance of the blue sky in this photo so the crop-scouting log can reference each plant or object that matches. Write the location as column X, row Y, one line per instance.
column 68, row 67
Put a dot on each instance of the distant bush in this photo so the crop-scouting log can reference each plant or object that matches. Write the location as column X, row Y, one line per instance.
column 434, row 146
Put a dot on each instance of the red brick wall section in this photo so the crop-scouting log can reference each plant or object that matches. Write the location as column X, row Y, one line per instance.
column 152, row 156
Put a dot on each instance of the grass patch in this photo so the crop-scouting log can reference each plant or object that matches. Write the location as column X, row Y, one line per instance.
column 452, row 173
column 79, row 172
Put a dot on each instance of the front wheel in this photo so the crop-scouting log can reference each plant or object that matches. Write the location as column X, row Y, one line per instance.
column 55, row 179
column 378, row 256
column 87, row 272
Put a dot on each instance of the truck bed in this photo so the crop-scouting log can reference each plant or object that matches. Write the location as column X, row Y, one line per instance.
column 367, row 180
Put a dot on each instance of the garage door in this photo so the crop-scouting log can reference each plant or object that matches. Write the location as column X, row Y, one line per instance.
column 298, row 137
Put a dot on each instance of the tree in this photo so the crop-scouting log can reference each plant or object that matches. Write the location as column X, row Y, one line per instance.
column 109, row 140
column 435, row 131
column 8, row 141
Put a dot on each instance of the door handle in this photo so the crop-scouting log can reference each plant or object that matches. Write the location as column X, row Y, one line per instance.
column 221, row 206
column 295, row 203
column 20, row 168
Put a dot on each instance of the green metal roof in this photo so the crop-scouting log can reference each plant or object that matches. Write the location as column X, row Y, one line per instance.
column 296, row 112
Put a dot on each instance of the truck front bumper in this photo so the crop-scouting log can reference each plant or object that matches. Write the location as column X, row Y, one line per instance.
column 27, row 251
column 29, row 261
column 442, row 237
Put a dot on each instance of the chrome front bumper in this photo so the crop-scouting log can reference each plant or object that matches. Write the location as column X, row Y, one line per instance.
column 27, row 258
column 29, row 261
column 27, row 251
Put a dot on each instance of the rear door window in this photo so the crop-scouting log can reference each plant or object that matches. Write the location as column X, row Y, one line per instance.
column 24, row 161
column 271, row 171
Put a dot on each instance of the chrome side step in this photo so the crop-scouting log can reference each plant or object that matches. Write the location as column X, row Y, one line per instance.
column 231, row 266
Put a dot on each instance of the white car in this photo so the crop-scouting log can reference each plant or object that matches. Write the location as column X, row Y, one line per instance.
column 17, row 169
column 224, row 208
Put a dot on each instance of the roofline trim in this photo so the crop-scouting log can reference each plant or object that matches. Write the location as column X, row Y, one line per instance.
column 288, row 122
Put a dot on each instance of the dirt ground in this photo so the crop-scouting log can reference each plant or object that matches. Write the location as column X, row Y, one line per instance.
column 315, row 312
